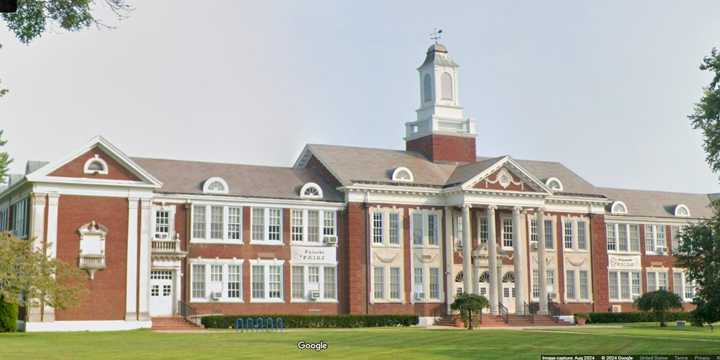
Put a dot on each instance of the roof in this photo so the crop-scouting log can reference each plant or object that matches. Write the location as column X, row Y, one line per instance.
column 187, row 177
column 32, row 166
column 660, row 203
column 437, row 54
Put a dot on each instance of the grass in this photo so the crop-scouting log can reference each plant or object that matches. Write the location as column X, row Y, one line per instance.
column 376, row 343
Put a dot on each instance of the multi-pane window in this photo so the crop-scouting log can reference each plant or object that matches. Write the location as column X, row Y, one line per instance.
column 654, row 238
column 199, row 223
column 549, row 235
column 507, row 232
column 274, row 224
column 216, row 222
column 417, row 228
column 570, row 284
column 682, row 286
column 419, row 283
column 234, row 288
column 330, row 283
column 635, row 284
column 582, row 235
column 432, row 229
column 234, row 230
column 613, row 286
column 329, row 223
column 313, row 226
column 611, row 238
column 624, row 285
column 634, row 238
column 434, row 283
column 584, row 285
column 483, row 230
column 266, row 282
column 533, row 230
column 21, row 222
column 678, row 283
column 458, row 232
column 298, row 282
column 198, row 281
column 535, row 284
column 568, row 234
column 623, row 237
column 4, row 218
column 258, row 224
column 674, row 237
column 297, row 227
column 395, row 283
column 657, row 280
column 266, row 225
column 394, row 228
column 162, row 224
column 377, row 228
column 379, row 282
column 549, row 282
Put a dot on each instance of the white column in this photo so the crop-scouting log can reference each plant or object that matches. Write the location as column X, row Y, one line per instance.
column 518, row 259
column 131, row 311
column 51, row 241
column 36, row 234
column 542, row 277
column 449, row 281
column 492, row 263
column 467, row 250
column 145, row 259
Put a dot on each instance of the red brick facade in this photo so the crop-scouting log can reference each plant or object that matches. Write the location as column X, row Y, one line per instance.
column 444, row 148
column 76, row 167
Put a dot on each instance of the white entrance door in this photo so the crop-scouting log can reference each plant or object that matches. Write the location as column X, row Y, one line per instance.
column 161, row 293
column 509, row 296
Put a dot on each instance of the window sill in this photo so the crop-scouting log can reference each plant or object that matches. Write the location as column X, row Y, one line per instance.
column 267, row 301
column 319, row 301
column 425, row 246
column 383, row 301
column 266, row 242
column 434, row 301
column 217, row 242
column 622, row 252
column 220, row 301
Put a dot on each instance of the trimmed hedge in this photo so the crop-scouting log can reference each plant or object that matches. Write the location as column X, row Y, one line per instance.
column 630, row 317
column 8, row 317
column 316, row 321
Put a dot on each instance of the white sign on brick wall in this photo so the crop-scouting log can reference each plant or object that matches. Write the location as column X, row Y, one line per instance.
column 313, row 254
column 628, row 262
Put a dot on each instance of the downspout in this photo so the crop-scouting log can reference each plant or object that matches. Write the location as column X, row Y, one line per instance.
column 367, row 253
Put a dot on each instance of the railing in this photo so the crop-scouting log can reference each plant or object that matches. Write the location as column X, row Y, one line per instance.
column 188, row 312
column 504, row 313
column 554, row 310
column 92, row 261
column 530, row 310
column 166, row 245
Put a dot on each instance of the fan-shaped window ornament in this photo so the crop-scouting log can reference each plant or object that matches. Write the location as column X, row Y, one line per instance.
column 402, row 174
column 554, row 184
column 681, row 210
column 618, row 208
column 484, row 277
column 509, row 277
column 311, row 190
column 96, row 165
column 215, row 185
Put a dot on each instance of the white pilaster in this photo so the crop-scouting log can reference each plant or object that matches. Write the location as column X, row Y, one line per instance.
column 145, row 259
column 493, row 263
column 51, row 242
column 518, row 261
column 449, row 258
column 542, row 276
column 37, row 236
column 467, row 250
column 131, row 312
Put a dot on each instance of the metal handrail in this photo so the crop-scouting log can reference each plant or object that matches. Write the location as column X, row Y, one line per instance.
column 554, row 310
column 504, row 313
column 187, row 312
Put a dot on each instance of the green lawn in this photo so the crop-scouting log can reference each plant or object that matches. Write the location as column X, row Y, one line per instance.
column 378, row 343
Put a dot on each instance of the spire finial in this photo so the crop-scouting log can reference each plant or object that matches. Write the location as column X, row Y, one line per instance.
column 436, row 35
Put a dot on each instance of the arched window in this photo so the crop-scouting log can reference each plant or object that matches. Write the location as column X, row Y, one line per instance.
column 311, row 190
column 402, row 174
column 682, row 211
column 215, row 185
column 484, row 277
column 96, row 165
column 427, row 88
column 618, row 208
column 509, row 277
column 554, row 184
column 447, row 86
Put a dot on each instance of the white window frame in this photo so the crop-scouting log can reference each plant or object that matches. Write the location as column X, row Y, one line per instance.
column 322, row 269
column 387, row 282
column 655, row 239
column 212, row 180
column 21, row 220
column 171, row 222
column 384, row 231
column 266, row 224
column 208, row 263
column 684, row 285
column 425, row 215
column 618, row 283
column 628, row 231
column 208, row 224
column 572, row 222
column 322, row 231
column 504, row 232
column 655, row 283
column 266, row 264
column 4, row 218
column 96, row 159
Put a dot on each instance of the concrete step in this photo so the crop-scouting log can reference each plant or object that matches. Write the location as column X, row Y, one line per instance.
column 173, row 323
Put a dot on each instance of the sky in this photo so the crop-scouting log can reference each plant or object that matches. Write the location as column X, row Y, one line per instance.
column 604, row 87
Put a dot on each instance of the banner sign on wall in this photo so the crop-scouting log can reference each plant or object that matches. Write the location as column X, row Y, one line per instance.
column 314, row 254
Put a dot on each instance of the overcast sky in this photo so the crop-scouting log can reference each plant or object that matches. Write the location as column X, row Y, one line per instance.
column 604, row 87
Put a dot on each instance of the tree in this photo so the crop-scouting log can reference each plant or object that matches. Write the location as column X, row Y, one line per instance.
column 468, row 304
column 699, row 254
column 5, row 160
column 29, row 277
column 33, row 16
column 707, row 112
column 659, row 302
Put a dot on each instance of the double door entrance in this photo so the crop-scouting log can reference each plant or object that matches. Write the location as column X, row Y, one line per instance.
column 162, row 293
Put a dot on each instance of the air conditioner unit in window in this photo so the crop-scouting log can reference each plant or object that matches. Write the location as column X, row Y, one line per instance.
column 660, row 251
column 314, row 295
column 330, row 239
column 419, row 297
column 616, row 308
column 215, row 295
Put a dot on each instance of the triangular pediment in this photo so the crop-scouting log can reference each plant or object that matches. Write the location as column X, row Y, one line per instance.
column 114, row 167
column 506, row 175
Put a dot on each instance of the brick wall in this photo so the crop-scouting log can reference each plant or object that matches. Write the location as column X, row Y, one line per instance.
column 444, row 148
column 76, row 167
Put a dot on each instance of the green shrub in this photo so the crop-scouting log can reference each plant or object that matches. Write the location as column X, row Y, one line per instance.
column 8, row 316
column 630, row 317
column 316, row 321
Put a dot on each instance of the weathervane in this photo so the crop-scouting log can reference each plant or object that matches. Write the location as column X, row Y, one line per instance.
column 436, row 35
